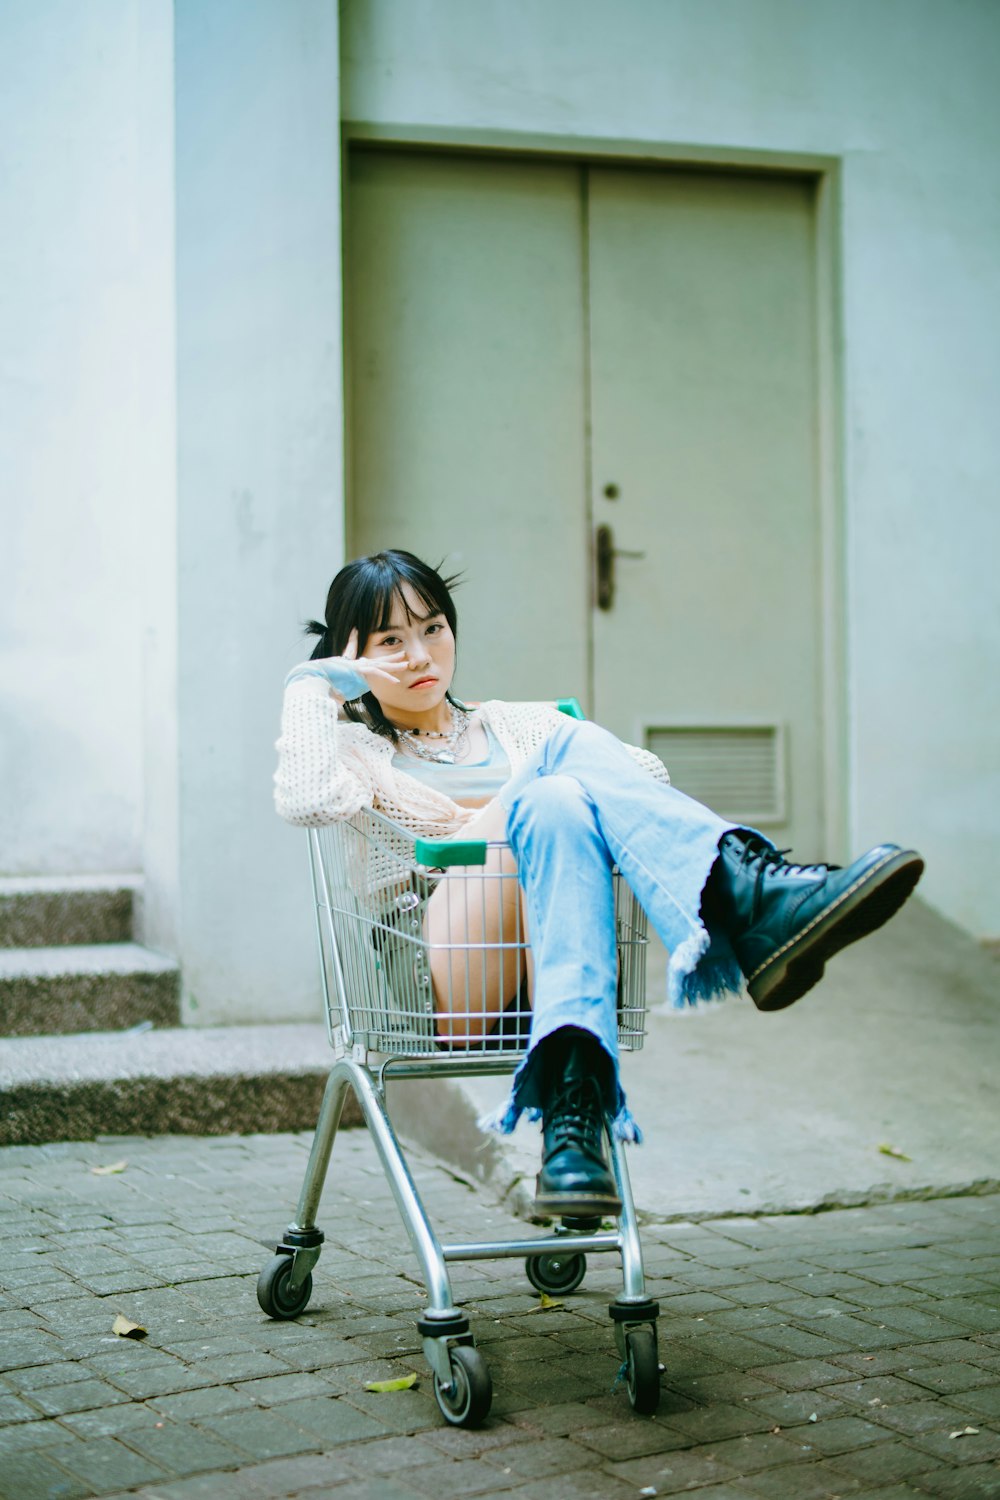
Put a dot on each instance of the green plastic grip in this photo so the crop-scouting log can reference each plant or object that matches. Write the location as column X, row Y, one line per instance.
column 438, row 854
column 570, row 706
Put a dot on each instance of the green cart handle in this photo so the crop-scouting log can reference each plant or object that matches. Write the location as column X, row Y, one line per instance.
column 440, row 854
column 570, row 707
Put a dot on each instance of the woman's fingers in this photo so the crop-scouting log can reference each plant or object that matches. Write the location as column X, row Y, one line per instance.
column 393, row 662
column 386, row 666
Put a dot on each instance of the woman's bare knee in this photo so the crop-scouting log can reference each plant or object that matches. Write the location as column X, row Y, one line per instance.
column 476, row 939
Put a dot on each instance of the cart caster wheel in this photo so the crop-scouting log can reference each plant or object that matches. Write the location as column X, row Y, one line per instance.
column 275, row 1296
column 642, row 1373
column 556, row 1273
column 466, row 1403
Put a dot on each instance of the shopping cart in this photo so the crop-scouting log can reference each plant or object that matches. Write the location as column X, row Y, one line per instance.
column 372, row 882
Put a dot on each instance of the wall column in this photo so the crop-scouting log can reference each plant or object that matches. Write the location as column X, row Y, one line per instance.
column 259, row 492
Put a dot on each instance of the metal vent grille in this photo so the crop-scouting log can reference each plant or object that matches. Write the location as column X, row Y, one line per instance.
column 736, row 770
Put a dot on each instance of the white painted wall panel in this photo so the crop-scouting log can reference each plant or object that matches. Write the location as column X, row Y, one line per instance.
column 86, row 439
column 260, row 495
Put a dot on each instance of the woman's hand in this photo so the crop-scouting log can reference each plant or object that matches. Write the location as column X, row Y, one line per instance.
column 387, row 668
column 351, row 675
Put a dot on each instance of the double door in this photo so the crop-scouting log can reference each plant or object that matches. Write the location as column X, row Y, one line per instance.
column 592, row 391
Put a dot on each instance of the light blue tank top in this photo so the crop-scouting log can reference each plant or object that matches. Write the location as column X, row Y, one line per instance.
column 481, row 778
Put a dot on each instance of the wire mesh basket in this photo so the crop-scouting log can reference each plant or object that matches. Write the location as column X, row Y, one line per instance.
column 396, row 977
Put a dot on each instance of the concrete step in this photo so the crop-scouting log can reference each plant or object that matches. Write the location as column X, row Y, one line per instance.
column 90, row 987
column 183, row 1081
column 44, row 911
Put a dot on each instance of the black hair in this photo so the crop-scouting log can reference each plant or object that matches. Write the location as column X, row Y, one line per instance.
column 361, row 598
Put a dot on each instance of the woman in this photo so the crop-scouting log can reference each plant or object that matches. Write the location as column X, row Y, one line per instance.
column 370, row 721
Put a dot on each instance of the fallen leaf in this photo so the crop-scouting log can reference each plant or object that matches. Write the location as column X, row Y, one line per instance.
column 115, row 1167
column 546, row 1303
column 894, row 1151
column 380, row 1387
column 965, row 1432
column 126, row 1329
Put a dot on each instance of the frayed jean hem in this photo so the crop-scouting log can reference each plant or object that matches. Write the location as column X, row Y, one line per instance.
column 503, row 1120
column 702, row 970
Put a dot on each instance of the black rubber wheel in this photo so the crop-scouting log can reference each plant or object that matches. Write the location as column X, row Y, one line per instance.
column 642, row 1375
column 556, row 1273
column 467, row 1402
column 274, row 1294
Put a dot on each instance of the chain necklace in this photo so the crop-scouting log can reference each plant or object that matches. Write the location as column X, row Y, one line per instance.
column 454, row 738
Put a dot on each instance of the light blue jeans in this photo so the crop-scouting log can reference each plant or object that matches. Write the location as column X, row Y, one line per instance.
column 579, row 806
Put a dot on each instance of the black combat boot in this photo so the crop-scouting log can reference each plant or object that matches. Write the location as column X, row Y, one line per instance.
column 784, row 921
column 575, row 1180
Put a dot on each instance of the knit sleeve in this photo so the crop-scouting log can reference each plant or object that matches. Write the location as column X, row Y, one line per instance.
column 650, row 762
column 318, row 779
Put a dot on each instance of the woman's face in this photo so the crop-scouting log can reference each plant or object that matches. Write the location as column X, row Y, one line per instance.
column 429, row 647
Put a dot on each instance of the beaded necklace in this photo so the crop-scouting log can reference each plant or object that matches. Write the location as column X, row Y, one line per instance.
column 455, row 738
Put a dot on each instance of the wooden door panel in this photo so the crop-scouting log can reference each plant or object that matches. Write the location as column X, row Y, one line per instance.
column 704, row 414
column 466, row 358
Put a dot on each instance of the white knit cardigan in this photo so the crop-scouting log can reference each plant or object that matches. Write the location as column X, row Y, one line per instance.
column 329, row 768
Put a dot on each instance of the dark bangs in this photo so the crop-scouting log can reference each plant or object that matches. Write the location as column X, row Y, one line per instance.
column 364, row 601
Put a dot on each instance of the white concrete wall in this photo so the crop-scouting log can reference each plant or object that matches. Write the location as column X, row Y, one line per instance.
column 905, row 93
column 86, row 429
column 259, row 499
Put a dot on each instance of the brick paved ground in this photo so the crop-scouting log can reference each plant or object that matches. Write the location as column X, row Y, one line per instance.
column 806, row 1356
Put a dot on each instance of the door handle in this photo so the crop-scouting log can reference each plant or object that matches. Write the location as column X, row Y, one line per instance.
column 605, row 553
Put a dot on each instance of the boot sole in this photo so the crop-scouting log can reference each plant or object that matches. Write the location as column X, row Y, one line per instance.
column 577, row 1205
column 877, row 896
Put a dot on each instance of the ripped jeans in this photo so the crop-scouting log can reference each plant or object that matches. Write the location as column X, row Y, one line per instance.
column 578, row 807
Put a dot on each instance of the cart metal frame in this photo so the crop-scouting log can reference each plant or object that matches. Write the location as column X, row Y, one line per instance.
column 370, row 879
